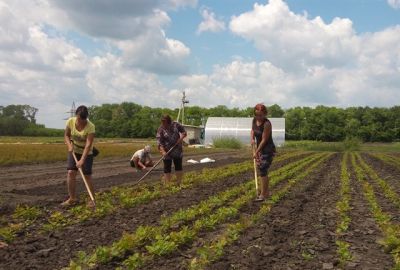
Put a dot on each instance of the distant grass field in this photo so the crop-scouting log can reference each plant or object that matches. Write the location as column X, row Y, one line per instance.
column 28, row 150
column 38, row 140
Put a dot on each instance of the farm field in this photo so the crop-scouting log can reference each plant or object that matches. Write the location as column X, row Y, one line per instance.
column 39, row 150
column 327, row 210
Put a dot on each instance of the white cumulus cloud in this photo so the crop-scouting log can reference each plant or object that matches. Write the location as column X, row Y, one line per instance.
column 40, row 66
column 306, row 61
column 210, row 23
column 394, row 3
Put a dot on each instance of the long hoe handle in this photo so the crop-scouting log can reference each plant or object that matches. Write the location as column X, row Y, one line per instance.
column 155, row 165
column 255, row 170
column 84, row 180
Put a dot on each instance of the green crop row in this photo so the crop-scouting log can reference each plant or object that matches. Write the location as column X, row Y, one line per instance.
column 391, row 231
column 206, row 223
column 23, row 217
column 109, row 201
column 163, row 244
column 145, row 233
column 177, row 220
column 388, row 192
column 213, row 250
column 388, row 159
column 343, row 208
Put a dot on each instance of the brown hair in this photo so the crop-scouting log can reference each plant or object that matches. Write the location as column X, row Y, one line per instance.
column 261, row 107
column 166, row 118
column 82, row 111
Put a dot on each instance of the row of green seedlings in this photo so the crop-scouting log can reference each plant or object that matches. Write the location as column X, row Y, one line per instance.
column 108, row 202
column 23, row 216
column 388, row 191
column 139, row 259
column 390, row 231
column 128, row 197
column 164, row 242
column 343, row 208
column 214, row 249
column 158, row 244
column 388, row 159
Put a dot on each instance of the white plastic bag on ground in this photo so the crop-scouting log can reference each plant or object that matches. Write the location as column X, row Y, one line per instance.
column 207, row 160
column 192, row 161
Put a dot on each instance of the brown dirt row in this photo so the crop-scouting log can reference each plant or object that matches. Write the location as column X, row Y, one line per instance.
column 55, row 249
column 180, row 259
column 363, row 233
column 298, row 233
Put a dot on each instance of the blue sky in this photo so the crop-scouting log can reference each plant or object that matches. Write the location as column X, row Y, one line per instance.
column 211, row 48
column 230, row 52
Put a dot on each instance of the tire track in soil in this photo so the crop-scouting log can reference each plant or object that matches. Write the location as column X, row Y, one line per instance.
column 363, row 232
column 55, row 249
column 304, row 219
column 178, row 260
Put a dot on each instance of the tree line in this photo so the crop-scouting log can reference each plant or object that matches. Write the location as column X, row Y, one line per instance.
column 20, row 120
column 130, row 120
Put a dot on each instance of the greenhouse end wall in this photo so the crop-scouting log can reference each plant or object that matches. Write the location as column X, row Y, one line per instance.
column 240, row 128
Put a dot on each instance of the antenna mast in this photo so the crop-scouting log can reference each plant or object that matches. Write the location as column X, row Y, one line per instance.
column 182, row 108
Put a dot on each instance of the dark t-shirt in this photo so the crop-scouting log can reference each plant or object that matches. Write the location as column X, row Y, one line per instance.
column 167, row 138
column 269, row 147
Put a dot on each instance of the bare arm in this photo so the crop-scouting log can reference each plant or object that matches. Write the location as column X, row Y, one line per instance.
column 182, row 135
column 141, row 164
column 88, row 145
column 67, row 139
column 252, row 141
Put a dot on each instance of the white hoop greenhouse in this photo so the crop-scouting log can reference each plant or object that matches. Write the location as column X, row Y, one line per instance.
column 240, row 128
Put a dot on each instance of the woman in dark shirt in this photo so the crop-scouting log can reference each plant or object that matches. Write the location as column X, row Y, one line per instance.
column 261, row 134
column 170, row 135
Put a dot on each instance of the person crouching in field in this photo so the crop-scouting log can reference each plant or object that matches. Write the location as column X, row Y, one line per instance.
column 79, row 137
column 170, row 135
column 141, row 159
column 261, row 133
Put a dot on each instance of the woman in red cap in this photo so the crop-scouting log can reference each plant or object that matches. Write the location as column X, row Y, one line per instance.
column 261, row 134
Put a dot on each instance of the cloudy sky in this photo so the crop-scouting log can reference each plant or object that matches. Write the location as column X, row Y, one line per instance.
column 231, row 52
